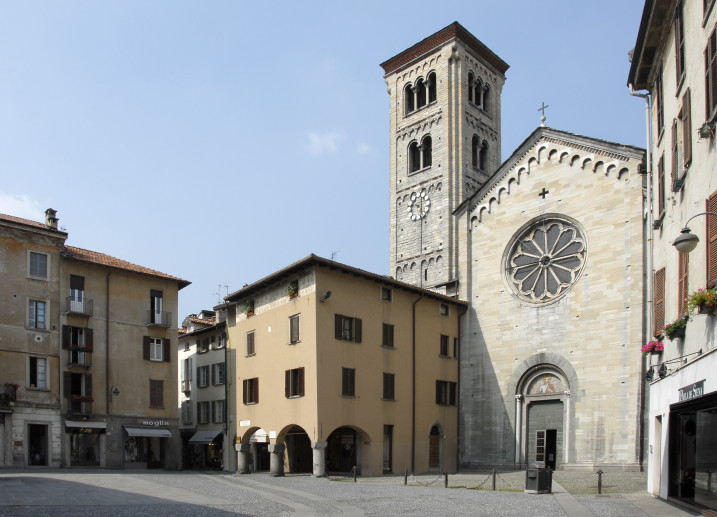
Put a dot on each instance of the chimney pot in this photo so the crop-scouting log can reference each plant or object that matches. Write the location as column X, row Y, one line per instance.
column 51, row 218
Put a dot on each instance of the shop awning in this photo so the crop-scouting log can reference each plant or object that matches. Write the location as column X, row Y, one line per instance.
column 204, row 436
column 148, row 432
column 91, row 425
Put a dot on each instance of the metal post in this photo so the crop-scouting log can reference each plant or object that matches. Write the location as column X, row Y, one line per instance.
column 446, row 482
column 354, row 473
column 494, row 473
column 405, row 477
column 599, row 473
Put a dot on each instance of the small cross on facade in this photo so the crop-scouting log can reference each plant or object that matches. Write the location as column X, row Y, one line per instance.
column 543, row 193
column 542, row 110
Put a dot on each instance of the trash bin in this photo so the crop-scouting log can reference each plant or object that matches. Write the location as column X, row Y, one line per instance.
column 538, row 480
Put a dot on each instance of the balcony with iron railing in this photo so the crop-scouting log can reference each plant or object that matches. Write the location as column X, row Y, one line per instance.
column 79, row 356
column 186, row 386
column 8, row 393
column 159, row 319
column 81, row 307
column 80, row 405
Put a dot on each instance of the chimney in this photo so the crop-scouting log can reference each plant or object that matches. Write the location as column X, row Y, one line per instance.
column 51, row 219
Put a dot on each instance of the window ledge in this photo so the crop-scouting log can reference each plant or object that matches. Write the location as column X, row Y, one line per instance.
column 420, row 170
column 250, row 355
column 348, row 396
column 250, row 403
column 292, row 343
column 388, row 400
column 388, row 347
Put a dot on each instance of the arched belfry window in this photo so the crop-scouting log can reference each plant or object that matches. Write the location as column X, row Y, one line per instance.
column 420, row 93
column 485, row 98
column 408, row 99
column 483, row 156
column 471, row 83
column 420, row 155
column 427, row 151
column 414, row 157
column 475, row 149
column 431, row 87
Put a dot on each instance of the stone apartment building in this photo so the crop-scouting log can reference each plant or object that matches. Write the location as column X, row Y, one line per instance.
column 339, row 368
column 92, row 350
column 546, row 247
column 204, row 386
column 675, row 63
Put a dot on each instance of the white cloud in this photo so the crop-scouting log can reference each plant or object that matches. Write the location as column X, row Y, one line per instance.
column 326, row 142
column 363, row 148
column 21, row 205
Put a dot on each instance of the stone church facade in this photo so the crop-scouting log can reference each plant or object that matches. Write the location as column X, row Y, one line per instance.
column 546, row 247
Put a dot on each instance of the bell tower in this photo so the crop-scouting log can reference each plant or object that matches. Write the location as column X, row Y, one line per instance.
column 445, row 143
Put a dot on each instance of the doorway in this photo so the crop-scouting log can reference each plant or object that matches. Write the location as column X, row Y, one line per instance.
column 434, row 449
column 37, row 444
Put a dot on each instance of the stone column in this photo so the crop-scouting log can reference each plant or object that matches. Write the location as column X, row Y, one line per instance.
column 518, row 428
column 566, row 458
column 243, row 466
column 319, row 453
column 276, row 459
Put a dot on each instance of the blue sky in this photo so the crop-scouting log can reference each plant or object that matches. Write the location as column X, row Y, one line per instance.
column 219, row 141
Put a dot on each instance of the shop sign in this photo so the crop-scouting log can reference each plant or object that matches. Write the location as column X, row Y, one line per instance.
column 692, row 391
column 85, row 430
column 155, row 423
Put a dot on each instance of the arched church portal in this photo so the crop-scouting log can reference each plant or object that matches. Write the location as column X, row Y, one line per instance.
column 541, row 409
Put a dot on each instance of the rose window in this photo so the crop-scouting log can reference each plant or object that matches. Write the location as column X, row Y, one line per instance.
column 545, row 260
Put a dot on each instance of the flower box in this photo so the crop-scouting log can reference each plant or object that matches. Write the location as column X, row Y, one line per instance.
column 653, row 347
column 706, row 309
column 676, row 329
column 703, row 301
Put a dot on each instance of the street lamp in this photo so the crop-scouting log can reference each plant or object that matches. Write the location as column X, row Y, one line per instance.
column 687, row 241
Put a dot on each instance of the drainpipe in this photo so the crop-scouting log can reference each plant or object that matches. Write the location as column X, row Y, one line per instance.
column 649, row 274
column 108, row 384
column 413, row 387
column 458, row 394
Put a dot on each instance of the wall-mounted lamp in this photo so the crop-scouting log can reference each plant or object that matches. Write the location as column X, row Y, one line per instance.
column 325, row 296
column 115, row 390
column 687, row 241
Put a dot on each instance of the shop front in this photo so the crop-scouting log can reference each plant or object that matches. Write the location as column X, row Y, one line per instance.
column 85, row 443
column 145, row 447
column 208, row 449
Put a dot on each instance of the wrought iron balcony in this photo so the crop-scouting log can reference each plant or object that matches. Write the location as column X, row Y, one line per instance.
column 78, row 406
column 186, row 386
column 159, row 319
column 83, row 307
column 79, row 357
column 8, row 393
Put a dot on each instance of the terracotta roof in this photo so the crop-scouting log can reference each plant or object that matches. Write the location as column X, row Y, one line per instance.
column 28, row 222
column 453, row 31
column 194, row 319
column 94, row 257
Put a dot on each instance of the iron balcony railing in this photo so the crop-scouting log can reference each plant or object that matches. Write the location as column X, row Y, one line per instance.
column 84, row 306
column 79, row 357
column 159, row 319
column 79, row 406
column 186, row 386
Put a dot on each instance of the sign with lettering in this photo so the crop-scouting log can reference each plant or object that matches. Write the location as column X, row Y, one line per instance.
column 692, row 391
column 155, row 423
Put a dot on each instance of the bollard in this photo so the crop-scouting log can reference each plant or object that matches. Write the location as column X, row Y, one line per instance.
column 446, row 482
column 494, row 472
column 354, row 473
column 599, row 473
column 405, row 477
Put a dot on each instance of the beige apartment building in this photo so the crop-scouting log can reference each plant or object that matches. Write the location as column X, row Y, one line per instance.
column 94, row 352
column 339, row 368
column 674, row 67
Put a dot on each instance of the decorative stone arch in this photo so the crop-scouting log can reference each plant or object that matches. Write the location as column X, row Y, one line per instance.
column 545, row 378
column 244, row 450
column 296, row 456
column 586, row 163
column 624, row 170
column 610, row 169
column 553, row 155
column 563, row 155
column 339, row 457
column 435, row 447
column 599, row 167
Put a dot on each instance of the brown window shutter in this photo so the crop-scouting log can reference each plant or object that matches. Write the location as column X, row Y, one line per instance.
column 89, row 338
column 661, row 185
column 686, row 128
column 66, row 336
column 675, row 173
column 88, row 384
column 357, row 330
column 452, row 393
column 287, row 383
column 166, row 351
column 337, row 326
column 301, row 382
column 244, row 389
column 711, row 243
column 682, row 284
column 256, row 390
column 711, row 75
column 66, row 385
column 145, row 348
column 659, row 302
column 438, row 392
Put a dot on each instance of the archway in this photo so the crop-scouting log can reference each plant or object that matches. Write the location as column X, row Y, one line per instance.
column 298, row 458
column 435, row 448
column 343, row 450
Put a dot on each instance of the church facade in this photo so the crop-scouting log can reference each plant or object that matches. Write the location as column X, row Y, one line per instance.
column 547, row 249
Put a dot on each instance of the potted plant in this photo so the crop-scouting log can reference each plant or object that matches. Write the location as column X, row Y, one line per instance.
column 249, row 308
column 12, row 386
column 293, row 289
column 676, row 329
column 703, row 300
column 653, row 347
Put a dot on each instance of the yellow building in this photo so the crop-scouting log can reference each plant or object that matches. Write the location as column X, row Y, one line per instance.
column 339, row 368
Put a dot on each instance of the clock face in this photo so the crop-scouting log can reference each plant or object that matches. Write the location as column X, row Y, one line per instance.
column 418, row 206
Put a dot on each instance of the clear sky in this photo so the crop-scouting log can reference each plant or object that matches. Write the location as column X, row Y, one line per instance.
column 219, row 141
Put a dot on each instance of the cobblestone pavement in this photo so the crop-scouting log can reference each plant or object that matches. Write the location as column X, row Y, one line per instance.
column 102, row 492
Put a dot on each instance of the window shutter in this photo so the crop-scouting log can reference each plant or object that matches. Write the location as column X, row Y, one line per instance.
column 145, row 348
column 66, row 385
column 214, row 411
column 301, row 382
column 66, row 336
column 166, row 351
column 89, row 338
column 337, row 326
column 357, row 330
column 711, row 75
column 438, row 392
column 214, row 374
column 682, row 284
column 88, row 384
column 287, row 383
column 711, row 243
column 452, row 393
column 661, row 185
column 245, row 389
column 675, row 173
column 687, row 128
column 256, row 390
column 659, row 302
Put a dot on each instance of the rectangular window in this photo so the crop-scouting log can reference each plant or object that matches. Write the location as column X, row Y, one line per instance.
column 386, row 294
column 38, row 265
column 38, row 373
column 682, row 287
column 36, row 315
column 251, row 391
column 711, row 76
column 213, row 342
column 222, row 340
column 294, row 329
column 187, row 412
column 203, row 376
column 679, row 45
column 455, row 347
column 155, row 307
column 348, row 382
column 294, row 383
column 387, row 339
column 250, row 348
column 156, row 393
column 218, row 376
column 659, row 305
column 218, row 411
column 203, row 412
column 445, row 393
column 77, row 295
column 389, row 386
column 156, row 349
column 444, row 346
column 347, row 329
column 443, row 309
column 202, row 346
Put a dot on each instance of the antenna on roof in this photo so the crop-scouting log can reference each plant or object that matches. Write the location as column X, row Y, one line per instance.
column 219, row 292
column 334, row 253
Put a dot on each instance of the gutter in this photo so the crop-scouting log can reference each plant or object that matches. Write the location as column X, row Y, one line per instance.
column 413, row 386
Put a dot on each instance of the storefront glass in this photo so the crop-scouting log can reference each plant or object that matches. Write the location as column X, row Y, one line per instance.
column 85, row 449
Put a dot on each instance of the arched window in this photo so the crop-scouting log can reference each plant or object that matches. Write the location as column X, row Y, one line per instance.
column 475, row 146
column 483, row 156
column 478, row 93
column 414, row 157
column 426, row 151
column 431, row 86
column 420, row 94
column 408, row 99
column 471, row 81
column 486, row 97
